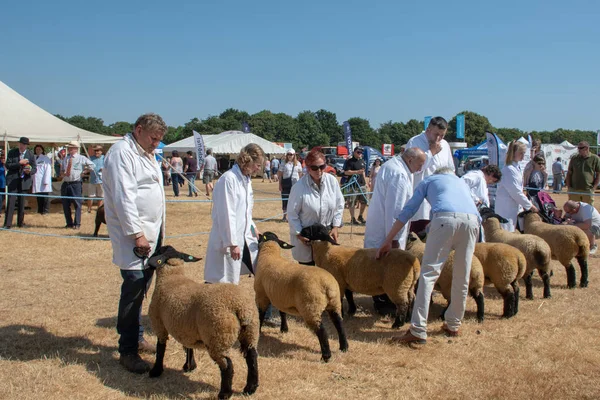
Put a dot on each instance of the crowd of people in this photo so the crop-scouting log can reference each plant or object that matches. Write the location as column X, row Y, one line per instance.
column 415, row 191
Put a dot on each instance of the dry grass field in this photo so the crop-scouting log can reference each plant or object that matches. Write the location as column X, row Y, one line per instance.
column 58, row 304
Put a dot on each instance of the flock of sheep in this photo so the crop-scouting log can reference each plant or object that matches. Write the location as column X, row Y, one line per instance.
column 217, row 316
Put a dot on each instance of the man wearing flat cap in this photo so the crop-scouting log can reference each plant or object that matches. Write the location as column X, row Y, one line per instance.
column 71, row 169
column 20, row 167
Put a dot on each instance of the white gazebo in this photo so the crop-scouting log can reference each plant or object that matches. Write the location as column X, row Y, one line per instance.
column 226, row 143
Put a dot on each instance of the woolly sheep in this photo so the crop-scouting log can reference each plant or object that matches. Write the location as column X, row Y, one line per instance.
column 566, row 242
column 503, row 265
column 536, row 250
column 214, row 316
column 444, row 283
column 297, row 290
column 357, row 270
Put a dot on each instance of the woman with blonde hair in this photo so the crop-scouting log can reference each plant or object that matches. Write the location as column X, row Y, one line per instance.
column 233, row 236
column 510, row 199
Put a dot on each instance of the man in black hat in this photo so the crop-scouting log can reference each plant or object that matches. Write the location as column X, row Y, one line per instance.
column 20, row 167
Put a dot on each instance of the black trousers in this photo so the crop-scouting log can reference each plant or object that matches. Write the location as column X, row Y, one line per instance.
column 19, row 201
column 43, row 204
column 71, row 189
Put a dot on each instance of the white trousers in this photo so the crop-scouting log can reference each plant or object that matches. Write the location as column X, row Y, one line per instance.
column 447, row 232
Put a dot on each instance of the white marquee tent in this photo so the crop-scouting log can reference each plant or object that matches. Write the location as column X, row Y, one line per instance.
column 228, row 142
column 20, row 117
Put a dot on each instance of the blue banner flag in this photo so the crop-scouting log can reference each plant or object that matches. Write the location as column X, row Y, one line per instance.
column 460, row 126
column 347, row 136
column 200, row 152
column 245, row 127
column 426, row 122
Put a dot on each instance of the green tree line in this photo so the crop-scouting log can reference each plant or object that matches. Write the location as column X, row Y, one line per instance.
column 321, row 128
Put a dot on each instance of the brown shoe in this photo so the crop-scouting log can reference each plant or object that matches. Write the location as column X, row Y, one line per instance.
column 449, row 332
column 407, row 338
column 133, row 363
column 145, row 347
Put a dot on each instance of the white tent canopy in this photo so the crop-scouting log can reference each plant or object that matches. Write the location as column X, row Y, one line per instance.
column 20, row 117
column 228, row 142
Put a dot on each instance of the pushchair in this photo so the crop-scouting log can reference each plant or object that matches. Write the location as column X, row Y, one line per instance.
column 547, row 206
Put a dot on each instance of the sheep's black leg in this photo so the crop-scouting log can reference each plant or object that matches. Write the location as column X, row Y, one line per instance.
column 157, row 370
column 97, row 229
column 546, row 279
column 401, row 310
column 261, row 315
column 339, row 327
column 252, row 363
column 226, row 380
column 351, row 303
column 528, row 286
column 284, row 325
column 324, row 342
column 509, row 303
column 571, row 277
column 583, row 265
column 478, row 297
column 515, row 286
column 190, row 361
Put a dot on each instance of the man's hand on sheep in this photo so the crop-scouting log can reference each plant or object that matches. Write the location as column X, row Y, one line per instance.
column 235, row 251
column 142, row 244
column 334, row 233
column 534, row 209
column 384, row 249
column 303, row 240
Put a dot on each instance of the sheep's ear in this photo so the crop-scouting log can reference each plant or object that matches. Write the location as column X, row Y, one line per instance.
column 174, row 262
column 284, row 245
column 188, row 258
column 500, row 218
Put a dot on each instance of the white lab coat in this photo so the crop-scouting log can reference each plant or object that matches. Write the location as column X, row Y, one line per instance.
column 479, row 189
column 42, row 180
column 134, row 201
column 309, row 204
column 393, row 188
column 510, row 199
column 433, row 163
column 232, row 225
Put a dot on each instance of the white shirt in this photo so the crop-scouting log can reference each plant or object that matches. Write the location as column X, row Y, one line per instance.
column 77, row 165
column 210, row 163
column 479, row 189
column 510, row 199
column 290, row 170
column 432, row 163
column 232, row 225
column 42, row 180
column 393, row 188
column 309, row 204
column 585, row 213
column 134, row 201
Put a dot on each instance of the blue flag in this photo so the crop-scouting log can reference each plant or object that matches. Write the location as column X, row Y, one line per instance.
column 347, row 136
column 245, row 127
column 200, row 151
column 460, row 126
column 426, row 122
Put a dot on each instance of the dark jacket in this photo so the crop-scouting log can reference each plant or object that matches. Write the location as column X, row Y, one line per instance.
column 14, row 170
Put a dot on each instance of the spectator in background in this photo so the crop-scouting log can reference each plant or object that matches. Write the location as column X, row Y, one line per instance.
column 355, row 167
column 510, row 199
column 210, row 171
column 316, row 198
column 42, row 180
column 165, row 168
column 373, row 175
column 583, row 174
column 20, row 166
column 537, row 177
column 72, row 168
column 267, row 171
column 558, row 174
column 535, row 151
column 275, row 169
column 233, row 236
column 586, row 217
column 60, row 155
column 478, row 181
column 191, row 170
column 439, row 155
column 176, row 172
column 289, row 173
column 95, row 185
column 2, row 179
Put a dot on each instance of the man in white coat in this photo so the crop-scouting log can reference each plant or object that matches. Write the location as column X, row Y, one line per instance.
column 439, row 155
column 134, row 203
column 478, row 181
column 393, row 188
column 233, row 236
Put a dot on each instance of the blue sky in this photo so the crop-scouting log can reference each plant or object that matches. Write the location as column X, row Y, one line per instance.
column 524, row 64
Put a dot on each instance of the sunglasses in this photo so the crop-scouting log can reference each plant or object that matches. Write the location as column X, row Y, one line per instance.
column 318, row 167
column 582, row 148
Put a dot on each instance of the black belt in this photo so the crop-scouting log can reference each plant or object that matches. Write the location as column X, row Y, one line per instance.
column 72, row 182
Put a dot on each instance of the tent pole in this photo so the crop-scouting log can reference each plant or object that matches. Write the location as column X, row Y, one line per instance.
column 5, row 155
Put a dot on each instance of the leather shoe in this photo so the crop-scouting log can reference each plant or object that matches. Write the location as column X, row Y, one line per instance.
column 448, row 331
column 408, row 338
column 133, row 363
column 145, row 347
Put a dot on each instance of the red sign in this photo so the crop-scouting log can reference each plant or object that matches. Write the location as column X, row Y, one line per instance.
column 387, row 149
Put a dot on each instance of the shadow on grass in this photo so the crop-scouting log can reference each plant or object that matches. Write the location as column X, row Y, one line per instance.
column 27, row 343
column 111, row 323
column 271, row 346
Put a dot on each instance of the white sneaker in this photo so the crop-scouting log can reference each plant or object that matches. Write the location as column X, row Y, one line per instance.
column 594, row 249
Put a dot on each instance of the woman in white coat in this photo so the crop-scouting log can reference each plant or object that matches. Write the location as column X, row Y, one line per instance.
column 42, row 180
column 510, row 199
column 316, row 198
column 233, row 236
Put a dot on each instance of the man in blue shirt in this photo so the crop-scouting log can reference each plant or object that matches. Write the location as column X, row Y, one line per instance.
column 95, row 185
column 454, row 226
